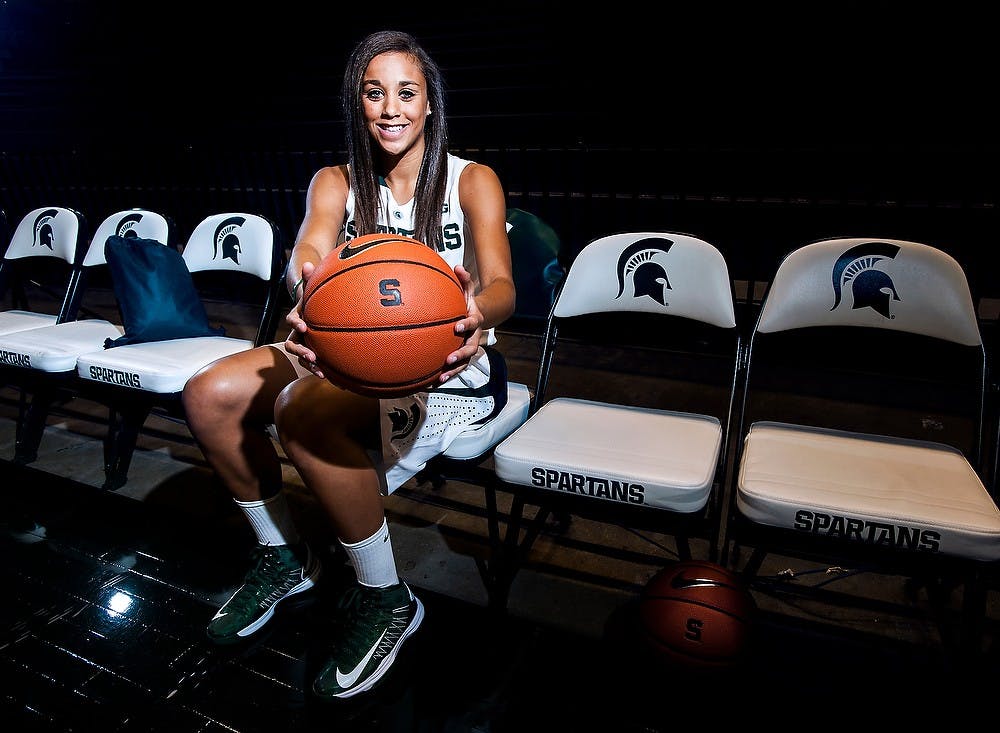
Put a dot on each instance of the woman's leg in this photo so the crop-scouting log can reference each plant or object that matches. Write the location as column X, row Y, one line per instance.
column 229, row 405
column 327, row 432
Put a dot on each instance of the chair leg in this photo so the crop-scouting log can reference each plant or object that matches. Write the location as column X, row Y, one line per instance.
column 752, row 566
column 119, row 444
column 973, row 612
column 31, row 427
column 683, row 547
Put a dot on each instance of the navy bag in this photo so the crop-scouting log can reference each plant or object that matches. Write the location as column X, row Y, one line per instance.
column 156, row 296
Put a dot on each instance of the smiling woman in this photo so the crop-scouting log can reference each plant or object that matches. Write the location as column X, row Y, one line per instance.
column 350, row 448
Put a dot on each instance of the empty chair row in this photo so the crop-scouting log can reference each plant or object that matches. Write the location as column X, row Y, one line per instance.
column 142, row 363
column 849, row 426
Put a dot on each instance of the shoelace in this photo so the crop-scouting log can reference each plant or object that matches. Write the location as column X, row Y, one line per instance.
column 266, row 571
column 356, row 606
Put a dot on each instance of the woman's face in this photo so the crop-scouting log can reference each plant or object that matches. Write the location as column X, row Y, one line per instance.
column 394, row 102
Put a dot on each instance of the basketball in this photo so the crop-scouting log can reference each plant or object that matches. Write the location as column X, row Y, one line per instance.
column 381, row 311
column 696, row 613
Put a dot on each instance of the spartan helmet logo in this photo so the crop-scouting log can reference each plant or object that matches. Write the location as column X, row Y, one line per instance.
column 227, row 239
column 403, row 423
column 871, row 288
column 648, row 277
column 44, row 235
column 126, row 226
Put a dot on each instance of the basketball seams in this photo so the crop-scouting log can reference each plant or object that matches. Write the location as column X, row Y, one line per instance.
column 392, row 327
column 313, row 289
column 706, row 604
column 400, row 261
column 384, row 389
column 449, row 276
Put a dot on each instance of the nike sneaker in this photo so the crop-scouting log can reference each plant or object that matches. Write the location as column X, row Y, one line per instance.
column 373, row 624
column 278, row 572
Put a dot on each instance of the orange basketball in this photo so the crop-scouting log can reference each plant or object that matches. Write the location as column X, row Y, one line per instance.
column 381, row 311
column 696, row 613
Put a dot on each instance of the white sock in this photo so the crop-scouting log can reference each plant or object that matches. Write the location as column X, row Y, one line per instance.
column 373, row 560
column 271, row 520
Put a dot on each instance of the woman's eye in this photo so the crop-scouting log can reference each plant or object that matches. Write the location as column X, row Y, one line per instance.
column 406, row 95
column 373, row 94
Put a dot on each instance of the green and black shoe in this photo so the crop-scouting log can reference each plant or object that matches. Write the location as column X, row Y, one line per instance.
column 278, row 571
column 373, row 625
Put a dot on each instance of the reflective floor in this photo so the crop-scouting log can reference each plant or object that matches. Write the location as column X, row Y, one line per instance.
column 102, row 629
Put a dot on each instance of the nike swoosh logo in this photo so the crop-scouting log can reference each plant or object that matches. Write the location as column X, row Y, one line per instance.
column 681, row 582
column 347, row 680
column 349, row 250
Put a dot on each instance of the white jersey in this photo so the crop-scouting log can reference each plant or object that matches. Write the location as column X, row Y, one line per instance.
column 396, row 218
column 418, row 427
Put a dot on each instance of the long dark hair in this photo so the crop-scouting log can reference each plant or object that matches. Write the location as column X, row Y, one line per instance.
column 430, row 189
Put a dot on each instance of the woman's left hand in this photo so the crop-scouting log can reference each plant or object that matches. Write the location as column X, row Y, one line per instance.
column 469, row 327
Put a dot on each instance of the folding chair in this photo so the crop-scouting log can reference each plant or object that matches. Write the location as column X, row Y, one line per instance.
column 228, row 255
column 43, row 360
column 537, row 269
column 646, row 452
column 861, row 428
column 39, row 269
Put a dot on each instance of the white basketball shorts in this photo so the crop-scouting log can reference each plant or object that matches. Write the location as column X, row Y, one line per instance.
column 420, row 426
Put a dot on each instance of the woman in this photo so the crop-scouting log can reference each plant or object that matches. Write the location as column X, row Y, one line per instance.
column 399, row 178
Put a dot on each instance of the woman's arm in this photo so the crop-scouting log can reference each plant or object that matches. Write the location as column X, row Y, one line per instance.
column 326, row 203
column 484, row 205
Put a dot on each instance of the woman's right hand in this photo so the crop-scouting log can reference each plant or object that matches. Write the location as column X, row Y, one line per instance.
column 295, row 343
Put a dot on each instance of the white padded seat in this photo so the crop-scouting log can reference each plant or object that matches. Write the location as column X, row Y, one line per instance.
column 908, row 494
column 631, row 455
column 55, row 348
column 162, row 367
column 477, row 439
column 13, row 321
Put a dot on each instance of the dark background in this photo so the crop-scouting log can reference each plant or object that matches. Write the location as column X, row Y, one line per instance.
column 756, row 126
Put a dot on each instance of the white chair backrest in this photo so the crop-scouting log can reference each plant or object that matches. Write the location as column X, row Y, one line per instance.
column 651, row 272
column 130, row 222
column 877, row 283
column 49, row 231
column 233, row 241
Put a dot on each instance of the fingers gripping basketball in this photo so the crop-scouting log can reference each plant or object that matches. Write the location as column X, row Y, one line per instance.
column 381, row 311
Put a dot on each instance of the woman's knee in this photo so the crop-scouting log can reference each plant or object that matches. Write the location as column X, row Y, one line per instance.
column 210, row 392
column 298, row 408
column 239, row 387
column 312, row 409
